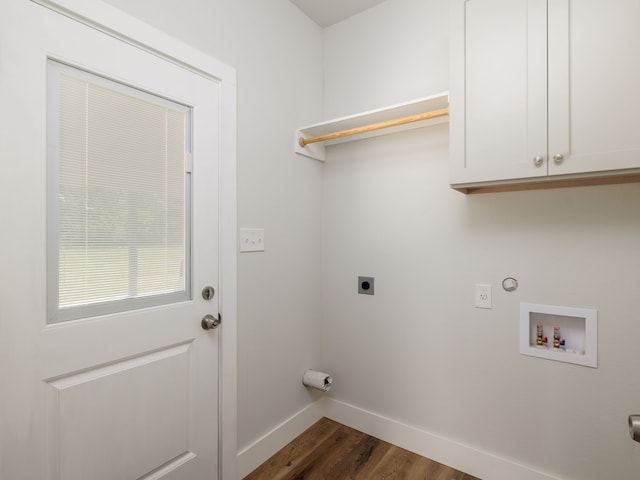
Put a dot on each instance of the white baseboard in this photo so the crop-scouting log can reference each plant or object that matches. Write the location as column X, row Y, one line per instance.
column 478, row 463
column 262, row 449
column 475, row 462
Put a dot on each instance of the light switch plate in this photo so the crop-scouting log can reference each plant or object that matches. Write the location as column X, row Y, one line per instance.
column 483, row 295
column 252, row 240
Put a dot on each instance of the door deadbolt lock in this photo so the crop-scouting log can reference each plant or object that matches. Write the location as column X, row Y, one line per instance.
column 208, row 292
column 209, row 322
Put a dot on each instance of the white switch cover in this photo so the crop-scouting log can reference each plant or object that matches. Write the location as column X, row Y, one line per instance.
column 252, row 239
column 483, row 295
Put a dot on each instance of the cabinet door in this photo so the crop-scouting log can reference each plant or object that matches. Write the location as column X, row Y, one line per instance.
column 594, row 81
column 498, row 90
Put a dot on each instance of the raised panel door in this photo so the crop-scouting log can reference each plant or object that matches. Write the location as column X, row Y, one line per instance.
column 118, row 396
column 594, row 75
column 498, row 90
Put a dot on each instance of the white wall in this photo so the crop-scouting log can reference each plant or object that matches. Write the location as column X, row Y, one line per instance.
column 418, row 351
column 276, row 51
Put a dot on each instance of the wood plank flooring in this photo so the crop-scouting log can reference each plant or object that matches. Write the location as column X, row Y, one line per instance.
column 331, row 451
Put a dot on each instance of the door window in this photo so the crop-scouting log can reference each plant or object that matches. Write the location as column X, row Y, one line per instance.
column 119, row 189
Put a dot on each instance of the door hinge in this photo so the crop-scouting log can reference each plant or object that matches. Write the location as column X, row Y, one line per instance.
column 188, row 162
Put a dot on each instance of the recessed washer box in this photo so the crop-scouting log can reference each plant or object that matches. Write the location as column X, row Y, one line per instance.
column 578, row 327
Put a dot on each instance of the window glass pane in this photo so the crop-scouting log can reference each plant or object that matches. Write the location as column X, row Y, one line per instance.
column 118, row 219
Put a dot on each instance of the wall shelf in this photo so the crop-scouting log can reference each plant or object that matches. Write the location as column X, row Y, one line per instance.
column 415, row 107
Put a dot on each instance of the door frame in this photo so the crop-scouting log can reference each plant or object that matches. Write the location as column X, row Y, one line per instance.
column 113, row 22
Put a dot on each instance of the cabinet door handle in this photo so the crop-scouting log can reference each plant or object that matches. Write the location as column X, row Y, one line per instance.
column 558, row 158
column 538, row 160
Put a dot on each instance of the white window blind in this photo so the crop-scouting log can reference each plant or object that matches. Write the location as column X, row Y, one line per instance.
column 118, row 215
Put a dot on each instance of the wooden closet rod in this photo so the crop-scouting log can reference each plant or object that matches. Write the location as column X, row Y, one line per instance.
column 374, row 126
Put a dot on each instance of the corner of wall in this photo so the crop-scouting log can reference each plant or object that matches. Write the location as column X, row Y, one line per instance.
column 262, row 449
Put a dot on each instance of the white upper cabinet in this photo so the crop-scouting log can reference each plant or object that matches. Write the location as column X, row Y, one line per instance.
column 543, row 90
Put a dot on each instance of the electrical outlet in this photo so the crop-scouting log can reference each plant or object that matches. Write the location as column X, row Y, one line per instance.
column 366, row 285
column 252, row 239
column 483, row 295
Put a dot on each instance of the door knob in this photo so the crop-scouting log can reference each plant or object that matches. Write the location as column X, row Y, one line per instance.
column 537, row 161
column 634, row 427
column 209, row 322
column 558, row 158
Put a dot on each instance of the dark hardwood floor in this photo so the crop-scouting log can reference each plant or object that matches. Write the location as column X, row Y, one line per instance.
column 329, row 450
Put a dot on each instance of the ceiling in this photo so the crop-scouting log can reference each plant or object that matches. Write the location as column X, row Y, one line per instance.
column 328, row 12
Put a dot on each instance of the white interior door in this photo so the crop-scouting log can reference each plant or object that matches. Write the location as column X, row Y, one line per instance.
column 102, row 394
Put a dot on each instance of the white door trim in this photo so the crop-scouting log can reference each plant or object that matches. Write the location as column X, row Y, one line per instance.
column 103, row 17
